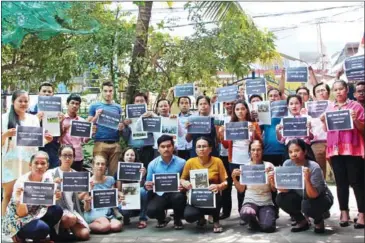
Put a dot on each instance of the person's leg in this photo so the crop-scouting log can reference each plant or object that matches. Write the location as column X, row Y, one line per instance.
column 240, row 196
column 35, row 230
column 267, row 218
column 248, row 214
column 192, row 214
column 216, row 210
column 53, row 215
column 178, row 203
column 156, row 208
column 319, row 150
column 315, row 207
column 227, row 193
column 114, row 155
column 115, row 225
column 68, row 220
column 7, row 191
column 144, row 202
column 291, row 203
column 100, row 225
column 81, row 232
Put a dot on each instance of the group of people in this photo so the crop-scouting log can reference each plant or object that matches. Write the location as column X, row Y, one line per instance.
column 258, row 205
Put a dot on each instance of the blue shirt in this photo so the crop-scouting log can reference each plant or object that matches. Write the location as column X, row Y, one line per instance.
column 158, row 166
column 105, row 133
column 271, row 144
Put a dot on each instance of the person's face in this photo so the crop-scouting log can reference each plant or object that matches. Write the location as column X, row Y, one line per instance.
column 107, row 93
column 129, row 156
column 203, row 107
column 255, row 99
column 228, row 106
column 73, row 106
column 99, row 165
column 139, row 100
column 294, row 106
column 304, row 94
column 46, row 91
column 241, row 92
column 296, row 153
column 321, row 93
column 256, row 151
column 360, row 93
column 274, row 95
column 39, row 165
column 241, row 112
column 21, row 103
column 184, row 105
column 166, row 149
column 202, row 148
column 340, row 92
column 163, row 108
column 67, row 156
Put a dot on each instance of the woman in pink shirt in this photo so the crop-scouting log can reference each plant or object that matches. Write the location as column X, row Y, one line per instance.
column 346, row 151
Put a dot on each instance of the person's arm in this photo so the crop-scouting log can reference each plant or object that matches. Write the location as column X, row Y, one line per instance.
column 279, row 136
column 240, row 188
column 312, row 76
column 310, row 190
column 282, row 84
column 21, row 208
column 9, row 133
column 126, row 133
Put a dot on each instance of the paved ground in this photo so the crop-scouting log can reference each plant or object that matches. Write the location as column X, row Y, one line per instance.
column 233, row 232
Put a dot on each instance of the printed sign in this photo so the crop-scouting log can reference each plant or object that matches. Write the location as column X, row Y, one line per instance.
column 339, row 120
column 289, row 177
column 151, row 124
column 202, row 198
column 75, row 182
column 132, row 198
column 107, row 198
column 39, row 193
column 236, row 131
column 136, row 110
column 295, row 127
column 355, row 68
column 199, row 124
column 297, row 74
column 199, row 178
column 168, row 182
column 263, row 111
column 29, row 136
column 129, row 171
column 253, row 175
column 279, row 109
column 109, row 119
column 255, row 86
column 81, row 129
column 51, row 123
column 49, row 103
column 136, row 132
column 316, row 108
column 228, row 93
column 184, row 90
column 170, row 126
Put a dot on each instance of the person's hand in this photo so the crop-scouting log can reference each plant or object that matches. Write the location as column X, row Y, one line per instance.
column 279, row 127
column 353, row 115
column 180, row 188
column 66, row 128
column 303, row 111
column 57, row 180
column 48, row 137
column 98, row 112
column 251, row 128
column 214, row 98
column 309, row 125
column 87, row 199
column 307, row 174
column 173, row 116
column 143, row 171
column 92, row 184
column 58, row 194
column 127, row 122
column 235, row 173
column 18, row 193
column 214, row 188
column 323, row 118
column 149, row 185
column 221, row 131
column 121, row 197
column 94, row 129
column 187, row 124
column 268, row 169
column 40, row 115
column 61, row 116
column 120, row 126
column 10, row 133
column 147, row 114
column 187, row 185
column 271, row 178
column 255, row 115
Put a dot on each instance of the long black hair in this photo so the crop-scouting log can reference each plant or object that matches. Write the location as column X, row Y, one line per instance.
column 13, row 116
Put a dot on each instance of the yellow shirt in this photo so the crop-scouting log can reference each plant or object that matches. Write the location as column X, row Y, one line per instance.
column 216, row 171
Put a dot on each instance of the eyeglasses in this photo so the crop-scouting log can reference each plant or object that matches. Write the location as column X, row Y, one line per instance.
column 321, row 91
column 361, row 92
column 65, row 156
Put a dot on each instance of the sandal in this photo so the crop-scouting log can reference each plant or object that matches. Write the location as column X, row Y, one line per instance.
column 344, row 223
column 178, row 225
column 217, row 229
column 142, row 224
column 163, row 224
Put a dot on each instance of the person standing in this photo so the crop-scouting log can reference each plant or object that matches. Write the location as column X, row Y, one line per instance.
column 360, row 93
column 183, row 147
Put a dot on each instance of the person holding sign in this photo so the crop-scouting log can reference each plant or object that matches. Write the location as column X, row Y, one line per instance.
column 101, row 220
column 35, row 222
column 15, row 159
column 345, row 149
column 314, row 200
column 130, row 155
column 183, row 147
column 217, row 182
column 258, row 209
column 70, row 201
column 160, row 201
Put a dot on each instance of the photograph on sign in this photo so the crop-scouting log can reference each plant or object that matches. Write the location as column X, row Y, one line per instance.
column 316, row 108
column 253, row 175
column 202, row 198
column 109, row 119
column 39, row 193
column 339, row 120
column 152, row 124
column 132, row 196
column 227, row 94
column 263, row 111
column 295, row 127
column 289, row 177
column 51, row 123
column 135, row 110
column 29, row 136
column 170, row 127
column 75, row 182
column 136, row 133
column 82, row 129
column 104, row 198
column 199, row 178
column 166, row 182
column 199, row 124
column 184, row 90
column 129, row 171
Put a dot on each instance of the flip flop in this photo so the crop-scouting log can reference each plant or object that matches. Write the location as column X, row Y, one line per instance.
column 164, row 223
column 218, row 229
column 142, row 224
column 178, row 225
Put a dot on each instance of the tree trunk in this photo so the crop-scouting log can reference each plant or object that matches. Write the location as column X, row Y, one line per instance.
column 139, row 49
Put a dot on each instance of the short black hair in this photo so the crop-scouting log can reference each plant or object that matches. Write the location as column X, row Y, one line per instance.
column 202, row 97
column 208, row 139
column 45, row 84
column 294, row 96
column 75, row 97
column 63, row 146
column 319, row 84
column 136, row 159
column 360, row 83
column 344, row 84
column 268, row 92
column 255, row 96
column 302, row 87
column 107, row 83
column 299, row 142
column 141, row 94
column 165, row 138
column 183, row 97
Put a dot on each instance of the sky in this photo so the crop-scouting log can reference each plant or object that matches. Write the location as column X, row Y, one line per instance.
column 345, row 24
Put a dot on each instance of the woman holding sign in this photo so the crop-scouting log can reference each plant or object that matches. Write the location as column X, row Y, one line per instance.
column 258, row 209
column 345, row 148
column 70, row 201
column 15, row 159
column 313, row 200
column 32, row 221
column 217, row 182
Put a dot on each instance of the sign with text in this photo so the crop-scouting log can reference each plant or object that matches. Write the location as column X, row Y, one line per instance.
column 109, row 119
column 129, row 171
column 184, row 90
column 49, row 103
column 339, row 120
column 136, row 110
column 167, row 182
column 279, row 109
column 81, row 129
column 151, row 124
column 236, row 131
column 107, row 198
column 255, row 86
column 228, row 93
column 295, row 127
column 316, row 108
column 202, row 198
column 355, row 68
column 75, row 182
column 39, row 193
column 29, row 136
column 253, row 175
column 199, row 124
column 289, row 177
column 297, row 74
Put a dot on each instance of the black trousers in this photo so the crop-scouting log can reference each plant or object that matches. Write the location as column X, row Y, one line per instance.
column 227, row 193
column 146, row 155
column 184, row 154
column 158, row 204
column 294, row 204
column 240, row 196
column 193, row 214
column 349, row 171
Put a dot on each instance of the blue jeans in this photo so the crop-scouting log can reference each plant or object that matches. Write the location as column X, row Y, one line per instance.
column 141, row 212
